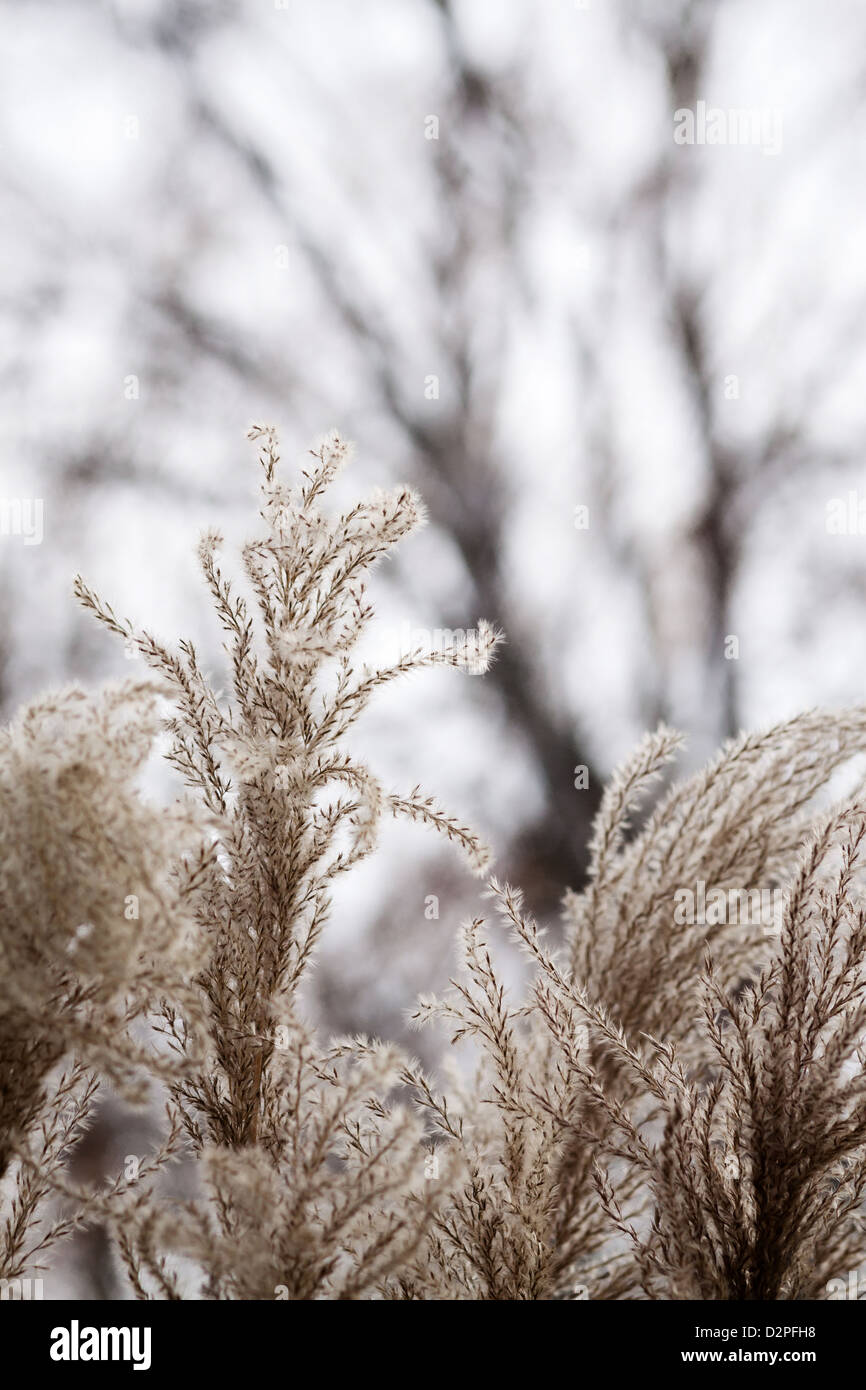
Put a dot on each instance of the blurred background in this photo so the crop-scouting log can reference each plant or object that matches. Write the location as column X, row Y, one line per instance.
column 618, row 352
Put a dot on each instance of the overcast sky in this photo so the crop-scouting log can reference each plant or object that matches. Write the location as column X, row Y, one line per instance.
column 214, row 213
